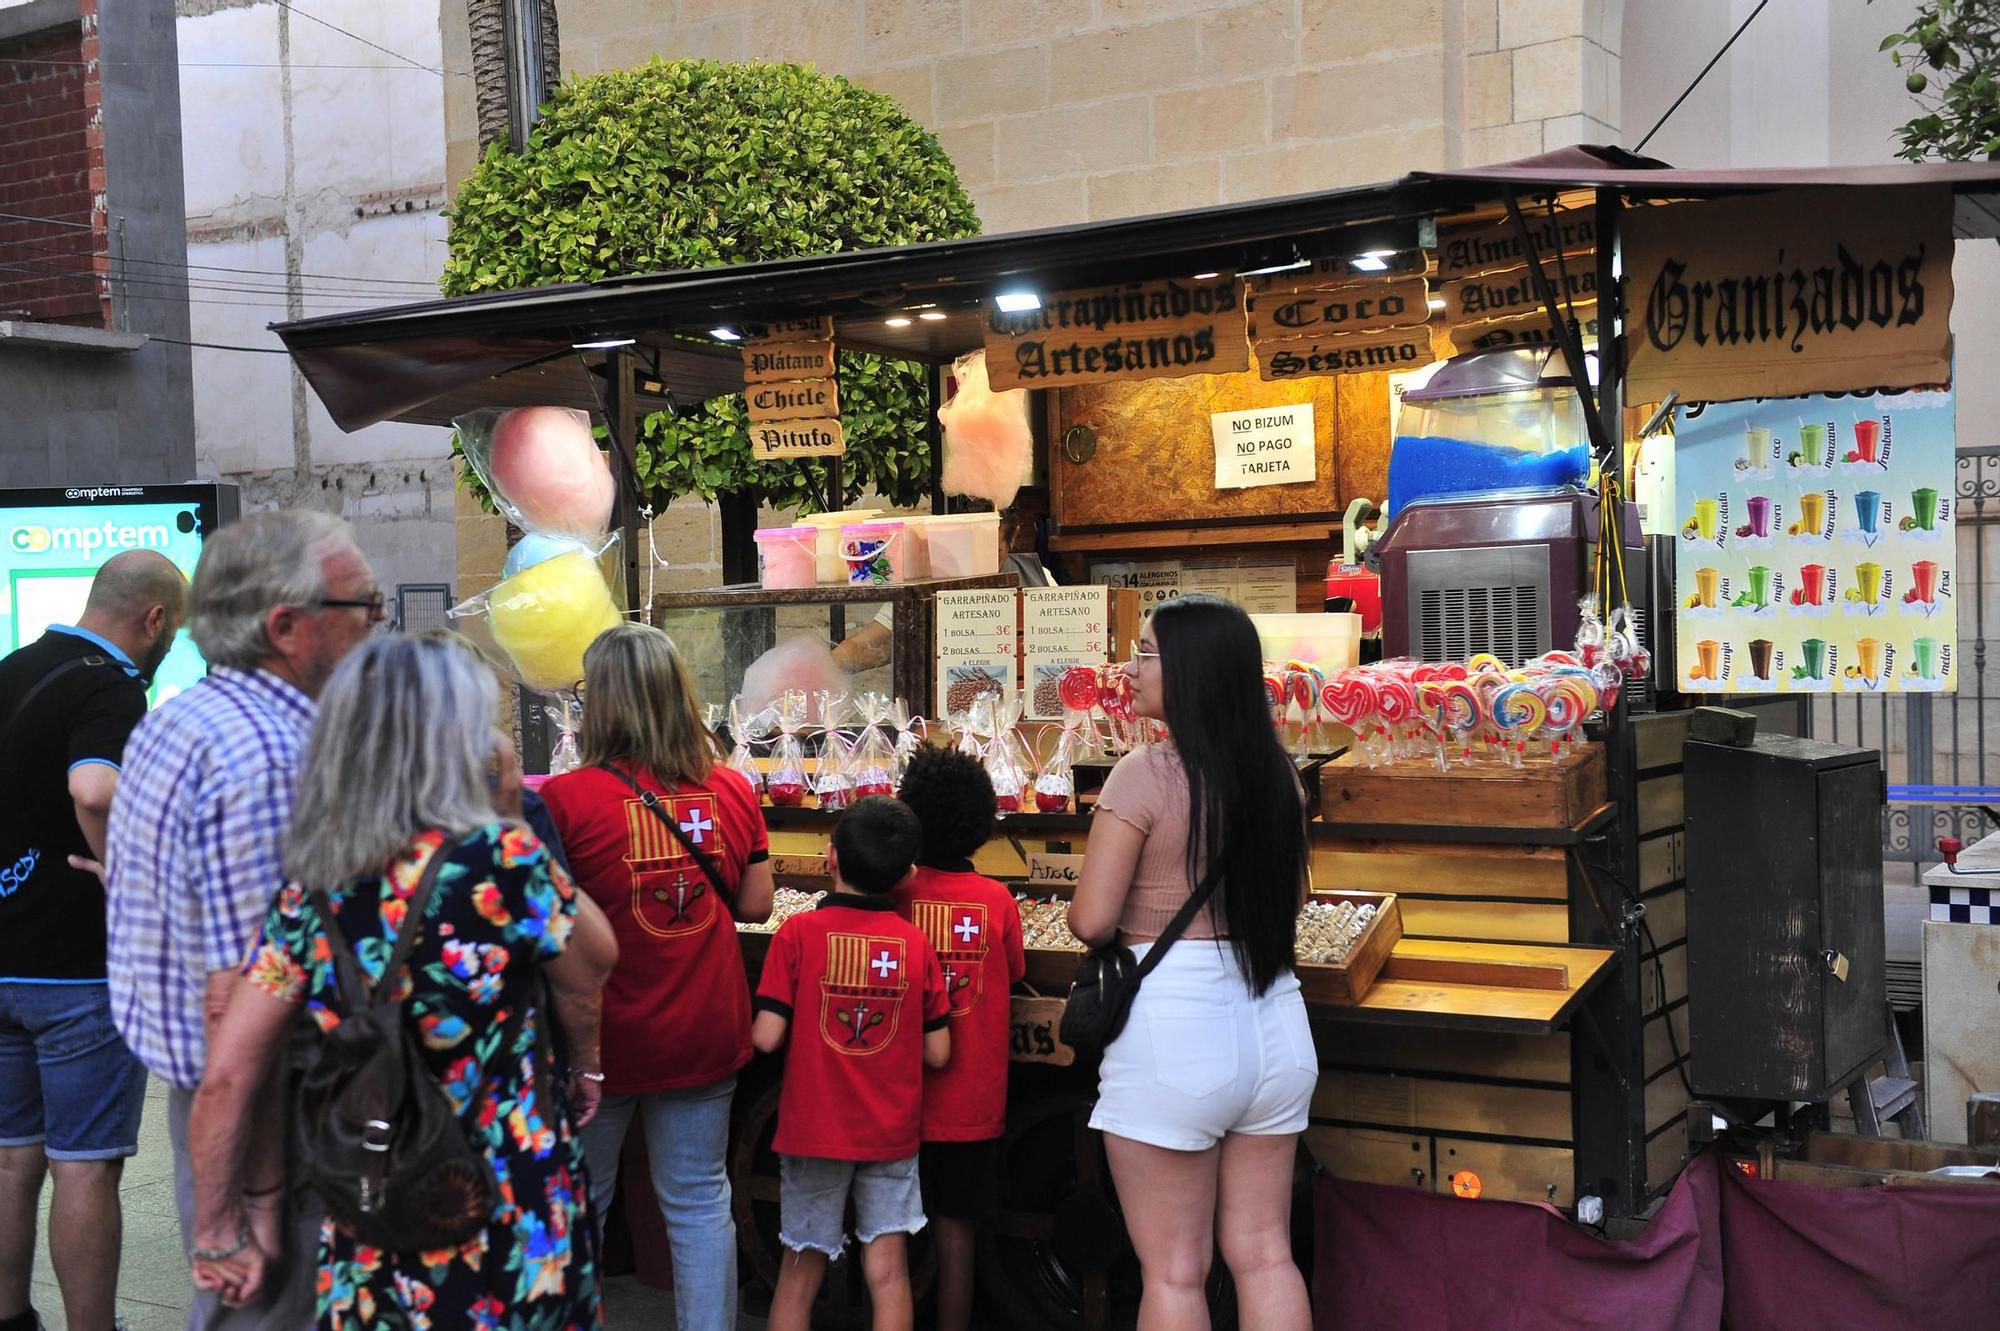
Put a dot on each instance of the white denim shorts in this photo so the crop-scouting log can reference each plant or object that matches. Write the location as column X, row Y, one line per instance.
column 1200, row 1058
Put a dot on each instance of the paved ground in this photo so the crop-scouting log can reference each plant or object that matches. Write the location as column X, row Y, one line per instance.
column 153, row 1290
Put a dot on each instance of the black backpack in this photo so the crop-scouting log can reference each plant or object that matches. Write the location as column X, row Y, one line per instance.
column 382, row 1143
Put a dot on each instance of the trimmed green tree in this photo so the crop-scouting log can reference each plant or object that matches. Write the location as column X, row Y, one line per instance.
column 694, row 163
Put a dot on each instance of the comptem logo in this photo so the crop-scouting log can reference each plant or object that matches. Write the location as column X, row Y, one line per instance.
column 88, row 540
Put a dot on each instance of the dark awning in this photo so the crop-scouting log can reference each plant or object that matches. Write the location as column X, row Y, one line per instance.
column 431, row 361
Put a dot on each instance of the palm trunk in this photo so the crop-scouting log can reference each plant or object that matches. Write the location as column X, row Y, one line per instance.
column 487, row 20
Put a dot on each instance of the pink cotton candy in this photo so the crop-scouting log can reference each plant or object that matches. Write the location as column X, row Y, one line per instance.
column 805, row 664
column 547, row 465
column 988, row 445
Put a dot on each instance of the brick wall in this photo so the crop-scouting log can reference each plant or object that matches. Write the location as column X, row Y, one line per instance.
column 52, row 169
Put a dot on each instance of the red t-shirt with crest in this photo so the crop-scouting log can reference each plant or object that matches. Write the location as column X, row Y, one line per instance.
column 975, row 927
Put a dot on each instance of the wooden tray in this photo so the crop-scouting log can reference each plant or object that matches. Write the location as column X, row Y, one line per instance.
column 1553, row 793
column 1343, row 984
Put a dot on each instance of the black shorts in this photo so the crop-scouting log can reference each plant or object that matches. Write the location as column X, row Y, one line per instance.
column 961, row 1180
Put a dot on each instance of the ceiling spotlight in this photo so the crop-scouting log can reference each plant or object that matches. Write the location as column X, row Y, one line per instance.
column 725, row 334
column 1017, row 302
column 932, row 315
column 1279, row 268
column 1374, row 261
column 898, row 322
column 603, row 344
column 1437, row 303
column 1203, row 277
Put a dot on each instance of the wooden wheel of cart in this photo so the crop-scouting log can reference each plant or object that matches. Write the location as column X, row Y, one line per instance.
column 753, row 1182
column 1057, row 1256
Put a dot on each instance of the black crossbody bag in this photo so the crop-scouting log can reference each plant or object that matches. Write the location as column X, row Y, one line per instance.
column 652, row 801
column 1100, row 998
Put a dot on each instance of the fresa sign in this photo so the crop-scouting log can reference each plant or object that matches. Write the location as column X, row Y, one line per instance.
column 87, row 540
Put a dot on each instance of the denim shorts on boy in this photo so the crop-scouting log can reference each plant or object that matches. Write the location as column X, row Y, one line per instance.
column 67, row 1081
column 812, row 1201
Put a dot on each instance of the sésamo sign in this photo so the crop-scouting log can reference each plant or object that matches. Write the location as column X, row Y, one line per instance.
column 1142, row 330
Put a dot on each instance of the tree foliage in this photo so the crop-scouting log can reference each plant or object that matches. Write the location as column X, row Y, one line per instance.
column 1952, row 52
column 691, row 164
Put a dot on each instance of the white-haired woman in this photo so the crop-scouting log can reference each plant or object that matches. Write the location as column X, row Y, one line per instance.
column 671, row 844
column 398, row 770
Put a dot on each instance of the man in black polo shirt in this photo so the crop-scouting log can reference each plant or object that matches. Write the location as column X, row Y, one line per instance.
column 70, row 1091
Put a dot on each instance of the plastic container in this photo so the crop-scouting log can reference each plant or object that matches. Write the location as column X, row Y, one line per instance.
column 787, row 557
column 876, row 553
column 1508, row 418
column 1331, row 642
column 831, row 568
column 916, row 542
column 963, row 545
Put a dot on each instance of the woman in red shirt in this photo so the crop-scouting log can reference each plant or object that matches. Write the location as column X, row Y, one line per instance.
column 671, row 845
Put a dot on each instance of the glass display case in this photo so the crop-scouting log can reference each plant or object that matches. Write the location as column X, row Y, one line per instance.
column 723, row 631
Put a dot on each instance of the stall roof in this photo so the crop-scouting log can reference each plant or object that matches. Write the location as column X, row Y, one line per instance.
column 431, row 361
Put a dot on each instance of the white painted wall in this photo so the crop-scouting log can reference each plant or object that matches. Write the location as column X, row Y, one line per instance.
column 315, row 163
column 1805, row 86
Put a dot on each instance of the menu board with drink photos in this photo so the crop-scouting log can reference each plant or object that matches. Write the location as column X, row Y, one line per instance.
column 1816, row 545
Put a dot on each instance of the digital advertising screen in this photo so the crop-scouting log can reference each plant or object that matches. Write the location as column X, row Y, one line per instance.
column 52, row 542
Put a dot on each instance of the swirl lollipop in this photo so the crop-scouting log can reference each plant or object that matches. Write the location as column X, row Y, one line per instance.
column 1566, row 705
column 1519, row 712
column 1352, row 700
column 1398, row 707
column 1463, row 712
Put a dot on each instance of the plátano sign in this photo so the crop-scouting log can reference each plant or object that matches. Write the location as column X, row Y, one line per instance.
column 1141, row 330
column 772, row 362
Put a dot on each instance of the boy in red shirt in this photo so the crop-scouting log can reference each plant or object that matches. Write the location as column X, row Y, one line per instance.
column 868, row 987
column 976, row 928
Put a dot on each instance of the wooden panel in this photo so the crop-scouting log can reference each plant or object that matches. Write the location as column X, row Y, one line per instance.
column 1412, row 964
column 1361, row 438
column 1365, row 1155
column 1662, row 860
column 1509, row 1172
column 1835, row 1148
column 1658, row 739
column 1471, row 1053
column 1659, row 1052
column 1559, row 793
column 1406, row 867
column 1667, row 917
column 1660, row 803
column 1155, row 458
column 1418, row 1102
column 1665, row 1155
column 1500, row 921
column 1666, row 1100
column 1674, row 963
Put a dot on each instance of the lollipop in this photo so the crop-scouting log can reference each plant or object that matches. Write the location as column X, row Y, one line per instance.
column 1352, row 699
column 1398, row 707
column 1567, row 701
column 1463, row 711
column 1078, row 688
column 1485, row 661
column 786, row 784
column 1518, row 711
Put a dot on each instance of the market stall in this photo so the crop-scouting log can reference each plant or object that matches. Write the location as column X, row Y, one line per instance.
column 1222, row 391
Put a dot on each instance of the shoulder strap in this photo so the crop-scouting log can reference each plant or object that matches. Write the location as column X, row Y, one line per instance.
column 35, row 690
column 652, row 801
column 1175, row 928
column 354, row 988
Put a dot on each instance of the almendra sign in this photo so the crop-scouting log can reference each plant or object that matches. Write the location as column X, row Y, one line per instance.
column 1789, row 293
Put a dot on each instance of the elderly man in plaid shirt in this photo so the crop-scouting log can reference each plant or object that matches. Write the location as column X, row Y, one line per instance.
column 194, row 848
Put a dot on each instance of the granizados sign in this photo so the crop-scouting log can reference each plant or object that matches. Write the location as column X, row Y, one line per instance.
column 1788, row 293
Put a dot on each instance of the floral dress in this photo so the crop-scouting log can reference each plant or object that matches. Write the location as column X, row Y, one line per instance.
column 500, row 909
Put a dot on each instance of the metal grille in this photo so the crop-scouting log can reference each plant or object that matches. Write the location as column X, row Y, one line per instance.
column 1457, row 622
column 422, row 605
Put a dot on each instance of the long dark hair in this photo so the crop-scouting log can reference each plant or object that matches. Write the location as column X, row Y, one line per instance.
column 1246, row 827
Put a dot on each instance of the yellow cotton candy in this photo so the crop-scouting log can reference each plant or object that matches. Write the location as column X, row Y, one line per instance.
column 544, row 616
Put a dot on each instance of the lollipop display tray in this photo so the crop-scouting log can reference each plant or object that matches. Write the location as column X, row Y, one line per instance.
column 1555, row 793
column 1345, row 983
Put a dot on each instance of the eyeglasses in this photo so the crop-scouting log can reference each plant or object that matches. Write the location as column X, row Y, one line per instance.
column 377, row 605
column 1140, row 654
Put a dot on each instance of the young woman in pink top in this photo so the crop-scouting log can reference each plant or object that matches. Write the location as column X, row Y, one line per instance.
column 1203, row 1095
